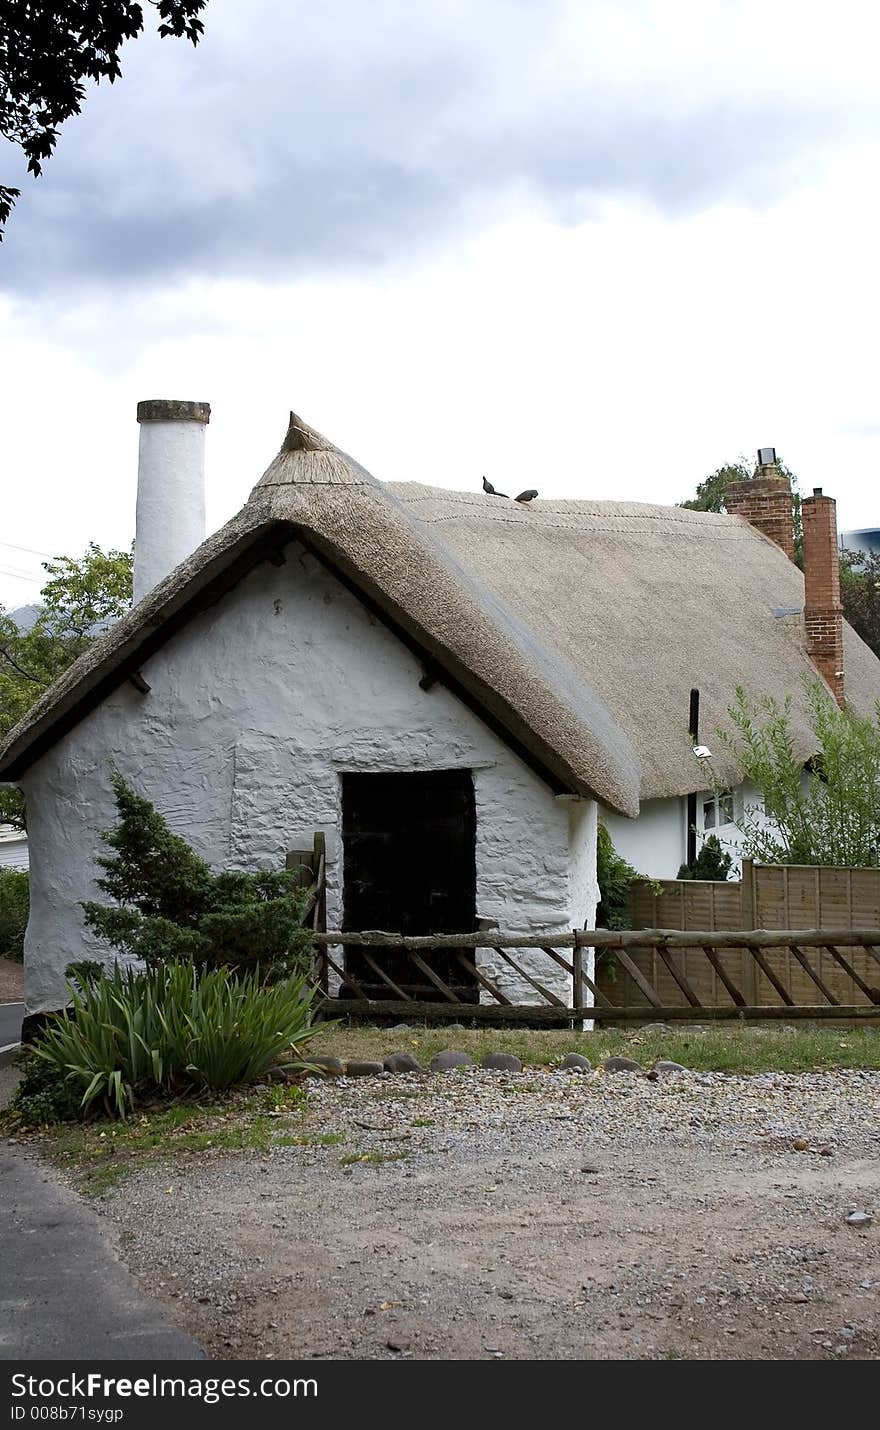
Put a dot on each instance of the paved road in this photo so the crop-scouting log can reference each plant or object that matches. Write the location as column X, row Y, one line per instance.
column 11, row 1015
column 63, row 1294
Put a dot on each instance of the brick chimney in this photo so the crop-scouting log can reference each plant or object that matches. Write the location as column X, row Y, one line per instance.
column 765, row 501
column 823, row 612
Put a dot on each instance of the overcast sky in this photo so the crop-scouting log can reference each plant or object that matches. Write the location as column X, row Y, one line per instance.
column 595, row 248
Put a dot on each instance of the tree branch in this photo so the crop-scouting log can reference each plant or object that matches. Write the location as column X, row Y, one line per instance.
column 20, row 668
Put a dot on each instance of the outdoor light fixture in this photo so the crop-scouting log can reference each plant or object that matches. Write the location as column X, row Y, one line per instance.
column 766, row 456
column 702, row 752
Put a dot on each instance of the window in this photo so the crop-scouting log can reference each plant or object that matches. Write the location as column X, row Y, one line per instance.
column 717, row 810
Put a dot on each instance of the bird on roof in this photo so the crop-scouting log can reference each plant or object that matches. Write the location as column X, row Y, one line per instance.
column 528, row 495
column 490, row 490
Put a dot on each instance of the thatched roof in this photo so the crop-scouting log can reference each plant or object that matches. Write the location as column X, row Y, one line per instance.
column 648, row 602
column 576, row 628
column 475, row 642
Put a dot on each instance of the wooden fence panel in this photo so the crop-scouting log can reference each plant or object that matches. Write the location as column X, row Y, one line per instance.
column 768, row 897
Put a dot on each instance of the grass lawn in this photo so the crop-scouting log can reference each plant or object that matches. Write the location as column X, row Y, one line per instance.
column 730, row 1048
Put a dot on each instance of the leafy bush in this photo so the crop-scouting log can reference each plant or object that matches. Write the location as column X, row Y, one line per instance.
column 43, row 1093
column 170, row 905
column 712, row 862
column 614, row 875
column 85, row 972
column 14, row 904
column 173, row 1027
column 827, row 812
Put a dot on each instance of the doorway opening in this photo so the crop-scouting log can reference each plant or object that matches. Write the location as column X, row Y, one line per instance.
column 409, row 849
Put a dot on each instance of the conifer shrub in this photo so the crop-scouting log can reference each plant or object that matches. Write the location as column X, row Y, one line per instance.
column 169, row 904
column 712, row 862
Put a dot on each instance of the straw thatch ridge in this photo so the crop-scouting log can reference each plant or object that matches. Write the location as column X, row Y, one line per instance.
column 315, row 491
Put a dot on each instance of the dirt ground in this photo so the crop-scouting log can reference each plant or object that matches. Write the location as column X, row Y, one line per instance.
column 11, row 981
column 530, row 1218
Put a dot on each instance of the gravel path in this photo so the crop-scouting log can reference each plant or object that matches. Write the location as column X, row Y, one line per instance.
column 531, row 1216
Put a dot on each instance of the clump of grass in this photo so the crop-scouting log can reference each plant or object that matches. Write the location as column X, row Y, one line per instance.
column 313, row 1139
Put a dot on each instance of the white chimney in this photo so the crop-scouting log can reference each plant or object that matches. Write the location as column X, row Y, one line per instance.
column 170, row 520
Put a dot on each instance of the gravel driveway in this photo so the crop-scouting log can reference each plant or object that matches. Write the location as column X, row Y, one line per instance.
column 530, row 1216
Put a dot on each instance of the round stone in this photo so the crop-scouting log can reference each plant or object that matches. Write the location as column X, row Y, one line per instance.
column 576, row 1062
column 617, row 1064
column 502, row 1062
column 402, row 1063
column 449, row 1059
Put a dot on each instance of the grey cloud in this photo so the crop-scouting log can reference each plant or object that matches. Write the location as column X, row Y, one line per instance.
column 276, row 152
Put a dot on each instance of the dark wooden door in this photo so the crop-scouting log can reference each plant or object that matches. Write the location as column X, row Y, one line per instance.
column 410, row 867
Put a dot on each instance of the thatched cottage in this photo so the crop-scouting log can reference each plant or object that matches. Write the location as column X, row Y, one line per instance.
column 449, row 685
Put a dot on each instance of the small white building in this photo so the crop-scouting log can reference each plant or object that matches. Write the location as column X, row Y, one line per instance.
column 448, row 685
column 13, row 848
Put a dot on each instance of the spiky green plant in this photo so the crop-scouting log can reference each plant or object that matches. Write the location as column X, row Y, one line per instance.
column 172, row 1027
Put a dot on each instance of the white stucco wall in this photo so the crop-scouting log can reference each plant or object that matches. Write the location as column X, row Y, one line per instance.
column 656, row 843
column 255, row 710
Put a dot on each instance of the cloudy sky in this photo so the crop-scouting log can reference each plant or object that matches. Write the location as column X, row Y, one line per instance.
column 595, row 248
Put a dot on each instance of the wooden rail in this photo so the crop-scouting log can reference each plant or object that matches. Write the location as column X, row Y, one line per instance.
column 607, row 938
column 503, row 987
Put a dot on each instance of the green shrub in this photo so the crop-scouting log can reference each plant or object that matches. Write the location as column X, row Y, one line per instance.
column 173, row 1027
column 14, row 904
column 614, row 875
column 85, row 972
column 43, row 1093
column 170, row 904
column 712, row 862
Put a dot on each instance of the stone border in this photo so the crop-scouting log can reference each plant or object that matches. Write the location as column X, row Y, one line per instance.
column 451, row 1060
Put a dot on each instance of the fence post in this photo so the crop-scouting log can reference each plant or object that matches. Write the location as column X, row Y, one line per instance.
column 748, row 915
column 577, row 973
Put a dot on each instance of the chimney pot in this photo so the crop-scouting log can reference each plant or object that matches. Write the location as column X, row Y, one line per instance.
column 170, row 521
column 163, row 409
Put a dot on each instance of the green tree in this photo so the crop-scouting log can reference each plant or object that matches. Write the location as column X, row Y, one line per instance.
column 170, row 905
column 76, row 599
column 824, row 812
column 860, row 594
column 711, row 492
column 49, row 50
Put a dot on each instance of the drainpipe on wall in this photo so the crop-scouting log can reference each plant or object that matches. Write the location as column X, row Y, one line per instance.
column 765, row 501
column 823, row 611
column 694, row 729
column 170, row 521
